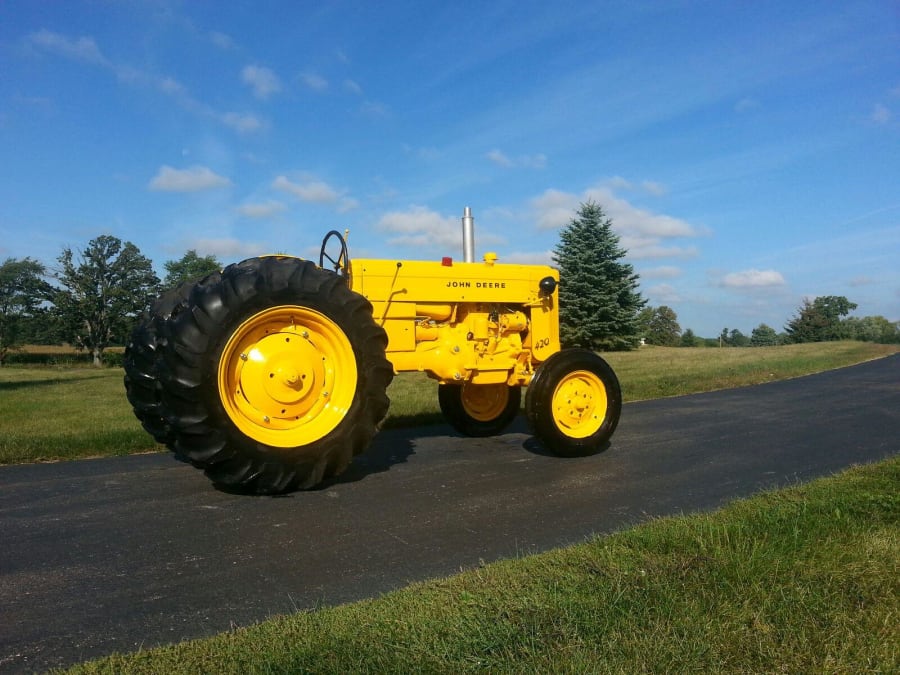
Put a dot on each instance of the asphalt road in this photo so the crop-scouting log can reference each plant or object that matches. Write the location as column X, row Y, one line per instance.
column 118, row 554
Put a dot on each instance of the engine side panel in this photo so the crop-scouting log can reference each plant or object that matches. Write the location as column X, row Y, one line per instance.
column 479, row 322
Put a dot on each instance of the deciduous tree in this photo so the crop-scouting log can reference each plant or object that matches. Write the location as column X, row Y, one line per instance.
column 23, row 290
column 662, row 327
column 102, row 290
column 189, row 267
column 871, row 329
column 737, row 339
column 688, row 339
column 819, row 320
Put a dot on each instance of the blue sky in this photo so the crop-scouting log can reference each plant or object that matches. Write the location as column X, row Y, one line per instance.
column 747, row 152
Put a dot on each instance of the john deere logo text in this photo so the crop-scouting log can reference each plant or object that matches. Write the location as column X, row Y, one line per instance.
column 476, row 284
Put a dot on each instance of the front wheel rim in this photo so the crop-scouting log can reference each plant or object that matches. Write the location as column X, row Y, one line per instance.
column 485, row 402
column 287, row 376
column 579, row 404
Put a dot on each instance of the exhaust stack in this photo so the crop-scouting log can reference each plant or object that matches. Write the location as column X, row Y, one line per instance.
column 468, row 224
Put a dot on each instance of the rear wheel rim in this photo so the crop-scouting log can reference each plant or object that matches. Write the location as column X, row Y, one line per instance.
column 287, row 376
column 579, row 404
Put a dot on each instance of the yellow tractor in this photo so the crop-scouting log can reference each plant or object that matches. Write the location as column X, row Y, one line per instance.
column 271, row 374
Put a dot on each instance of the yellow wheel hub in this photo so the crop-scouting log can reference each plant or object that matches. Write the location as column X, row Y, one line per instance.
column 579, row 404
column 287, row 376
column 485, row 402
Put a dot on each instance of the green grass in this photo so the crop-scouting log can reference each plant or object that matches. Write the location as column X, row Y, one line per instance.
column 800, row 580
column 53, row 413
column 50, row 412
column 655, row 372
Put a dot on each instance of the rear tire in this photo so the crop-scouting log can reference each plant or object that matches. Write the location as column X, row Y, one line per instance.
column 573, row 403
column 142, row 385
column 479, row 409
column 273, row 377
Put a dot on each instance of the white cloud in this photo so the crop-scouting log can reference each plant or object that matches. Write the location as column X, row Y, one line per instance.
column 85, row 50
column 642, row 233
column 428, row 154
column 529, row 258
column 650, row 187
column 243, row 123
column 192, row 179
column 261, row 80
column 538, row 161
column 221, row 40
column 652, row 248
column 654, row 188
column 881, row 114
column 647, row 248
column 311, row 190
column 228, row 248
column 172, row 87
column 421, row 227
column 261, row 209
column 753, row 279
column 629, row 219
column 353, row 87
column 554, row 209
column 375, row 109
column 499, row 158
column 745, row 105
column 619, row 183
column 662, row 272
column 78, row 49
column 347, row 204
column 663, row 294
column 314, row 81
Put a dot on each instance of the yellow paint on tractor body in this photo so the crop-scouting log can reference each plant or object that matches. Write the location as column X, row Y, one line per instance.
column 481, row 323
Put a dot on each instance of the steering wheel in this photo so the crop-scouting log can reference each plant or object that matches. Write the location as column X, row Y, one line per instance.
column 341, row 265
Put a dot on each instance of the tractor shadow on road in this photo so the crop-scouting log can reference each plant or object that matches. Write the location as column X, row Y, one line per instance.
column 387, row 449
column 395, row 446
column 535, row 447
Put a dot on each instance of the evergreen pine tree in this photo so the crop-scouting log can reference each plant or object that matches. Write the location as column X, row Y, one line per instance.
column 599, row 300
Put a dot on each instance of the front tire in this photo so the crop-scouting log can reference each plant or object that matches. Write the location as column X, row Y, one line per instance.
column 479, row 409
column 274, row 376
column 573, row 403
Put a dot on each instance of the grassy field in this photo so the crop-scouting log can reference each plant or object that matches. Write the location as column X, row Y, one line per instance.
column 656, row 372
column 55, row 412
column 797, row 581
